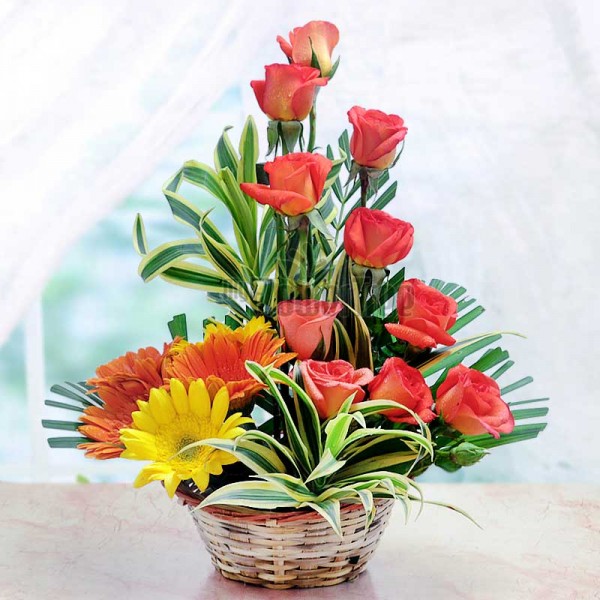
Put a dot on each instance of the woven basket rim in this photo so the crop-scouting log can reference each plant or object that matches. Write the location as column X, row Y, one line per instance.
column 240, row 513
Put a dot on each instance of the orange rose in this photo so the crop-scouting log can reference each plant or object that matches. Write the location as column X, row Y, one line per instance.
column 375, row 137
column 330, row 384
column 307, row 325
column 404, row 384
column 296, row 183
column 319, row 37
column 373, row 238
column 470, row 401
column 288, row 91
column 424, row 314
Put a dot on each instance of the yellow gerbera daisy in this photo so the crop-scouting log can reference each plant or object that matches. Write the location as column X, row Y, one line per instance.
column 169, row 422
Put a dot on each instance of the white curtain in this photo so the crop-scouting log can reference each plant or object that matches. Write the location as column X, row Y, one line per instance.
column 94, row 95
column 500, row 174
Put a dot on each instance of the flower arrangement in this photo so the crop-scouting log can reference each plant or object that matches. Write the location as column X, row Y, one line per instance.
column 334, row 380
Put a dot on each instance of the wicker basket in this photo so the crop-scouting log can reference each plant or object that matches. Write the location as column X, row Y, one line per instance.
column 289, row 549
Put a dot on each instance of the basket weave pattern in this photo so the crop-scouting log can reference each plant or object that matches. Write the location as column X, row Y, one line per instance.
column 289, row 549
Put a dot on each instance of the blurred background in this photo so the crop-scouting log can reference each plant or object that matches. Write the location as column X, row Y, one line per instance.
column 500, row 177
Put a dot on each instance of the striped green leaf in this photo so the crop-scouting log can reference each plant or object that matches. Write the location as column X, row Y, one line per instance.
column 337, row 430
column 267, row 257
column 139, row 236
column 263, row 495
column 400, row 483
column 378, row 462
column 306, row 415
column 249, row 152
column 328, row 465
column 206, row 178
column 404, row 435
column 166, row 255
column 241, row 313
column 197, row 277
column 268, row 440
column 366, row 498
column 330, row 511
column 225, row 156
column 224, row 259
column 257, row 457
column 292, row 486
column 304, row 457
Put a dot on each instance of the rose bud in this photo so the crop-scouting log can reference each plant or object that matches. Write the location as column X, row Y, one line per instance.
column 373, row 238
column 296, row 182
column 288, row 91
column 424, row 314
column 467, row 454
column 404, row 384
column 307, row 325
column 470, row 401
column 330, row 384
column 375, row 137
column 319, row 37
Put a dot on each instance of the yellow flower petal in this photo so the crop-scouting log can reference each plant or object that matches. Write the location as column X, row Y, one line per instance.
column 199, row 399
column 171, row 483
column 232, row 433
column 235, row 420
column 131, row 455
column 170, row 421
column 138, row 436
column 180, row 397
column 144, row 421
column 161, row 406
column 253, row 326
column 142, row 448
column 214, row 467
column 220, row 407
column 144, row 477
column 225, row 458
column 201, row 479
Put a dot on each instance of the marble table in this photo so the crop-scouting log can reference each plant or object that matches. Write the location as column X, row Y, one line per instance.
column 110, row 541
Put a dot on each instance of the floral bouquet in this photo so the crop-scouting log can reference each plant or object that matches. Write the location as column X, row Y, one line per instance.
column 333, row 381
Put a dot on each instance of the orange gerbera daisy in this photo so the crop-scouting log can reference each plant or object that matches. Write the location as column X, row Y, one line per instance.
column 131, row 376
column 220, row 359
column 119, row 384
column 104, row 427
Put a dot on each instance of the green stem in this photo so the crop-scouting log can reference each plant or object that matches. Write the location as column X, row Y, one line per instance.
column 364, row 187
column 312, row 121
column 309, row 255
column 282, row 280
column 303, row 270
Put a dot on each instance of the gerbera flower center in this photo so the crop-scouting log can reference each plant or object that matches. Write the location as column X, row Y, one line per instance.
column 182, row 431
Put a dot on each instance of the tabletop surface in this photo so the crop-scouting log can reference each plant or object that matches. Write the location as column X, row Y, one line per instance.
column 110, row 541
